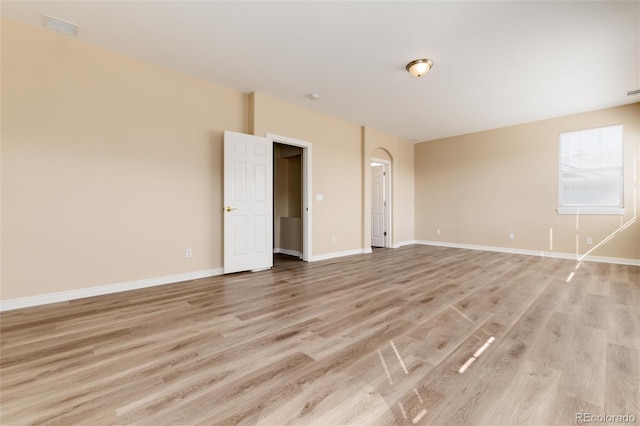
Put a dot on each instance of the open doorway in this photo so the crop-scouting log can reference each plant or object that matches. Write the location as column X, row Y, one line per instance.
column 306, row 166
column 287, row 201
column 380, row 203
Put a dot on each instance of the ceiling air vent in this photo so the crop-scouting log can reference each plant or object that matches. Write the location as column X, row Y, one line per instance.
column 59, row 25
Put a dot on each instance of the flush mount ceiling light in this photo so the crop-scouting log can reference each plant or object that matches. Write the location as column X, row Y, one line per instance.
column 419, row 67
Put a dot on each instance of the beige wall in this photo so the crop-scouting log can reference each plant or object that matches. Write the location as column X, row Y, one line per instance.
column 111, row 167
column 404, row 199
column 478, row 188
column 377, row 144
column 336, row 168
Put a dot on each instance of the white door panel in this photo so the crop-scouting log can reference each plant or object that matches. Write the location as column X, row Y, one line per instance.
column 377, row 206
column 248, row 202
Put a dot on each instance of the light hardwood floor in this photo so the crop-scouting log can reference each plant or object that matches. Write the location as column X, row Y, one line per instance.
column 417, row 335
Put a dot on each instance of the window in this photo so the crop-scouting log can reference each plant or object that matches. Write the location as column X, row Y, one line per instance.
column 591, row 173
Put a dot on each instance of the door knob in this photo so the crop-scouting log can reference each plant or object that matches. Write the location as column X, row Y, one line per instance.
column 228, row 209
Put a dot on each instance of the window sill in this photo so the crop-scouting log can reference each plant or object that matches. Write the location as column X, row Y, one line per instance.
column 591, row 210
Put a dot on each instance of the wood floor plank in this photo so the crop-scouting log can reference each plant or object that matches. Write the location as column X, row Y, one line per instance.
column 573, row 299
column 241, row 398
column 527, row 398
column 625, row 293
column 596, row 285
column 436, row 339
column 415, row 335
column 624, row 326
column 557, row 268
column 553, row 345
column 492, row 371
column 567, row 410
column 594, row 312
column 585, row 375
column 325, row 347
column 622, row 392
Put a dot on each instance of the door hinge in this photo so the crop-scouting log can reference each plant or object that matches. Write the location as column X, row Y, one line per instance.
column 385, row 233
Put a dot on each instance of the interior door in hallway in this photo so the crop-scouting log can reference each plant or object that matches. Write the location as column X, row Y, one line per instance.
column 248, row 202
column 378, row 205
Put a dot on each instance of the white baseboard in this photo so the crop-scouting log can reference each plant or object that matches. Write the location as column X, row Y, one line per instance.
column 404, row 243
column 288, row 252
column 554, row 254
column 339, row 254
column 64, row 296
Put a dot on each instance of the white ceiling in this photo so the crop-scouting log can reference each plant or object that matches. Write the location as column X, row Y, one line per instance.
column 496, row 63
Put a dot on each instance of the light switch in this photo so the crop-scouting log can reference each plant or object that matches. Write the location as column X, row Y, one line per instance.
column 319, row 197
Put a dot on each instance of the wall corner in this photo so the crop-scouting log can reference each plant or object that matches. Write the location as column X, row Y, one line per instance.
column 251, row 116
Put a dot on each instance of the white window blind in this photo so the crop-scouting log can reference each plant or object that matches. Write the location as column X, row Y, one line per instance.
column 591, row 171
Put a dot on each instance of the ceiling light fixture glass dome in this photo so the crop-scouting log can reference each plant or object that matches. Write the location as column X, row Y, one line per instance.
column 419, row 67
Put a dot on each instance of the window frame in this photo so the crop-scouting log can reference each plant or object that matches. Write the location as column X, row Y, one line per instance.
column 595, row 209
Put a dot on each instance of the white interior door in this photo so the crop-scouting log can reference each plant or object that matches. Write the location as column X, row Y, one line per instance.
column 377, row 206
column 248, row 202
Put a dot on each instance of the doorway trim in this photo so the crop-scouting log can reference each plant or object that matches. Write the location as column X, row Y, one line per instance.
column 306, row 189
column 388, row 220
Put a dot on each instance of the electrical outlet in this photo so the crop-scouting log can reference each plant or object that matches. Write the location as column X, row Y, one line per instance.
column 333, row 238
column 511, row 236
column 589, row 241
column 188, row 253
column 437, row 232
